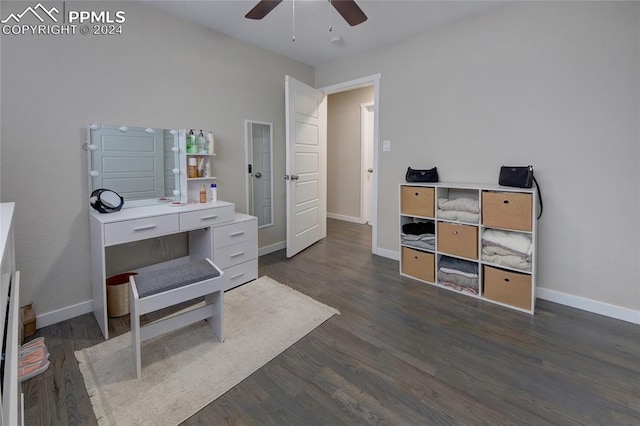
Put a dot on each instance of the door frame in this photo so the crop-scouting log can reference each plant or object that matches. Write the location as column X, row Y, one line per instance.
column 366, row 151
column 371, row 80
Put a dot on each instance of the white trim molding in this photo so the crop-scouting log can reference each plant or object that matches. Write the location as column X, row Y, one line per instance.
column 589, row 305
column 593, row 306
column 64, row 314
column 370, row 80
column 271, row 248
column 389, row 254
column 345, row 218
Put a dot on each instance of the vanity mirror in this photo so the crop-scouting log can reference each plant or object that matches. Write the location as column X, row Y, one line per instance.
column 259, row 155
column 140, row 163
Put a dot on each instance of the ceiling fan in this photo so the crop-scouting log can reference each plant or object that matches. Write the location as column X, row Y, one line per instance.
column 349, row 10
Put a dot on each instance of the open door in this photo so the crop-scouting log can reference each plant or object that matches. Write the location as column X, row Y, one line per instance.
column 306, row 165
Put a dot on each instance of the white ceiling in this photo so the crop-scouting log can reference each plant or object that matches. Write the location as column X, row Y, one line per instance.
column 389, row 22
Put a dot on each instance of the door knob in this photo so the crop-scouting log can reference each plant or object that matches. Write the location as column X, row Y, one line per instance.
column 258, row 175
column 370, row 170
column 295, row 177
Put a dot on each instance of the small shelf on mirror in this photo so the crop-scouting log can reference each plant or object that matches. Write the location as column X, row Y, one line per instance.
column 202, row 154
column 202, row 178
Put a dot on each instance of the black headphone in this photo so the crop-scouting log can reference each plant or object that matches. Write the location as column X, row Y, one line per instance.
column 106, row 200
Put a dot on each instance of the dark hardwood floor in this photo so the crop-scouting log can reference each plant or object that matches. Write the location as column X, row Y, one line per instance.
column 400, row 353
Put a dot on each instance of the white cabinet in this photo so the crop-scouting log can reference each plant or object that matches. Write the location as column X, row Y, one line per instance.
column 10, row 387
column 235, row 250
column 215, row 232
column 478, row 240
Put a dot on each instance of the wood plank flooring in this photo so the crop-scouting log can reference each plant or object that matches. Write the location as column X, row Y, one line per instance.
column 400, row 353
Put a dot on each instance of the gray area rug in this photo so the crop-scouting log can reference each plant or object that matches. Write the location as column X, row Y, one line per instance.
column 185, row 370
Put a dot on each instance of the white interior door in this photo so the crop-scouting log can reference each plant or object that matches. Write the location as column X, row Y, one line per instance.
column 306, row 165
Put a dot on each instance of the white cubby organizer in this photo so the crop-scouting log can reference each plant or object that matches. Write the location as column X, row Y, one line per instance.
column 504, row 217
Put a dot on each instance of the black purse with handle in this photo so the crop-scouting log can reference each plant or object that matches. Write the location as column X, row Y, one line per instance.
column 426, row 175
column 519, row 177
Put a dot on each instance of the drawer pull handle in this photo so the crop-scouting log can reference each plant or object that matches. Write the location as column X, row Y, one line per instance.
column 237, row 276
column 236, row 234
column 145, row 228
column 415, row 257
column 506, row 201
column 506, row 280
column 237, row 254
column 417, row 194
column 455, row 232
column 209, row 217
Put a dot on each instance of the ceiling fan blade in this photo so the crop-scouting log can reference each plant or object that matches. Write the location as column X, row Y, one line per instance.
column 261, row 9
column 350, row 11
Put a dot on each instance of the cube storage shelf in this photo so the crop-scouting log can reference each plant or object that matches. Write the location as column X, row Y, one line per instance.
column 478, row 240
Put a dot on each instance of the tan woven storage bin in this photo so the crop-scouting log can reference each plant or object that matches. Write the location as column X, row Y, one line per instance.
column 118, row 294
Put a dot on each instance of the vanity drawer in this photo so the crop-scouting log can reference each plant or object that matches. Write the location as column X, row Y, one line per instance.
column 240, row 274
column 232, row 255
column 235, row 233
column 206, row 217
column 140, row 229
column 458, row 240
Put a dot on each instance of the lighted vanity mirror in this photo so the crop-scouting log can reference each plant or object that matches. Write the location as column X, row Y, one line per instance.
column 259, row 154
column 140, row 163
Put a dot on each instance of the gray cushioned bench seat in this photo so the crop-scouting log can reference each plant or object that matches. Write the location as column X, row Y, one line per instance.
column 153, row 282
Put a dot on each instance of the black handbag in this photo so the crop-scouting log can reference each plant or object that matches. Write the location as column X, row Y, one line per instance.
column 416, row 175
column 516, row 176
column 519, row 177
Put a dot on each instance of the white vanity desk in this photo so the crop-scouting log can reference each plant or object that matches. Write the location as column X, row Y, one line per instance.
column 215, row 231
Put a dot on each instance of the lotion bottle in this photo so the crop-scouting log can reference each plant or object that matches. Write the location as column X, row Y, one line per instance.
column 214, row 192
column 210, row 142
column 191, row 142
column 203, row 194
column 200, row 143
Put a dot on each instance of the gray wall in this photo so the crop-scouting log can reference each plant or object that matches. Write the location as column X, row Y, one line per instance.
column 553, row 84
column 162, row 72
column 344, row 169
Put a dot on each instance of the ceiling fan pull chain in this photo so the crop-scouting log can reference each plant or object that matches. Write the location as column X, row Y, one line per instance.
column 293, row 2
column 330, row 16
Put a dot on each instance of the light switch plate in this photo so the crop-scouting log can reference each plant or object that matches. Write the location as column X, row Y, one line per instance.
column 386, row 145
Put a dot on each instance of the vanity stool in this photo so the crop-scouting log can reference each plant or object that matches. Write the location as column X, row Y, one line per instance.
column 167, row 287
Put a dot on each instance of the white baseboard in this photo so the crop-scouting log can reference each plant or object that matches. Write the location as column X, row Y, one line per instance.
column 345, row 218
column 594, row 306
column 63, row 314
column 589, row 305
column 390, row 254
column 271, row 248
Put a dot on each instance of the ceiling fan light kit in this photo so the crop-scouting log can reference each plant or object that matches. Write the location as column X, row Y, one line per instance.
column 348, row 9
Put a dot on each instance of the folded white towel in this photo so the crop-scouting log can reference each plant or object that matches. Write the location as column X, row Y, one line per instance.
column 459, row 216
column 456, row 271
column 516, row 241
column 459, row 204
